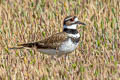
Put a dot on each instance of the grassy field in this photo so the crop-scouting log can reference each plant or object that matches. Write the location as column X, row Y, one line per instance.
column 96, row 58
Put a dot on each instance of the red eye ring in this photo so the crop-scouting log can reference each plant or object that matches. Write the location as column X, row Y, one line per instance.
column 72, row 19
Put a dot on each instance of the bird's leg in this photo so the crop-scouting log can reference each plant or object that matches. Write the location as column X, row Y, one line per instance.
column 53, row 57
column 66, row 57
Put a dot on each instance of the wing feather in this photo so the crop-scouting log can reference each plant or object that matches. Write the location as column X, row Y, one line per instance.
column 51, row 42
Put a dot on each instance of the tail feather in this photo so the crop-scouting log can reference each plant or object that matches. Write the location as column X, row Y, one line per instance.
column 16, row 47
column 20, row 46
column 27, row 45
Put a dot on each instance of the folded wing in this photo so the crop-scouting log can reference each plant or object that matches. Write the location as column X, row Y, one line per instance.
column 51, row 42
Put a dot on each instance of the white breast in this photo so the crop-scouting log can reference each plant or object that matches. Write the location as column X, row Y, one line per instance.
column 68, row 46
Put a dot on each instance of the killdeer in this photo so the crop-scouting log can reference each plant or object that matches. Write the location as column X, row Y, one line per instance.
column 59, row 43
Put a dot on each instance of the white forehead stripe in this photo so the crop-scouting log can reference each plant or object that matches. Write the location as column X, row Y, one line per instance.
column 68, row 18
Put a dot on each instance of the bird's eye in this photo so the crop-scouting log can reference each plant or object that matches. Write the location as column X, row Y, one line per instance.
column 72, row 19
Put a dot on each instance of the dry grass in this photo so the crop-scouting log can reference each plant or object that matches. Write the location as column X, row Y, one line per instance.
column 96, row 58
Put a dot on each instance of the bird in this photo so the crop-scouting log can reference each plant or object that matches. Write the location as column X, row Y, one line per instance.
column 60, row 43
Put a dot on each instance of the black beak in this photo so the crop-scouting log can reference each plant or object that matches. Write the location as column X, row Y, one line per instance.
column 78, row 22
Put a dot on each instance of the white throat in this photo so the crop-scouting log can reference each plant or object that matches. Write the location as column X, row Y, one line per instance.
column 74, row 26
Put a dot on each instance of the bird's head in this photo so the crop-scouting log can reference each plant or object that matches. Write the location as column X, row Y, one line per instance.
column 71, row 22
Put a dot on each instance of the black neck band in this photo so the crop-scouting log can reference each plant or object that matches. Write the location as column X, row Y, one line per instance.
column 72, row 31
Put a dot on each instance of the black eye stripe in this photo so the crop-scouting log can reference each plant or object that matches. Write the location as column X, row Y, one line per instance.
column 74, row 23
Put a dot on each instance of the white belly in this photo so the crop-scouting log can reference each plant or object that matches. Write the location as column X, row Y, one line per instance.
column 68, row 46
column 49, row 51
